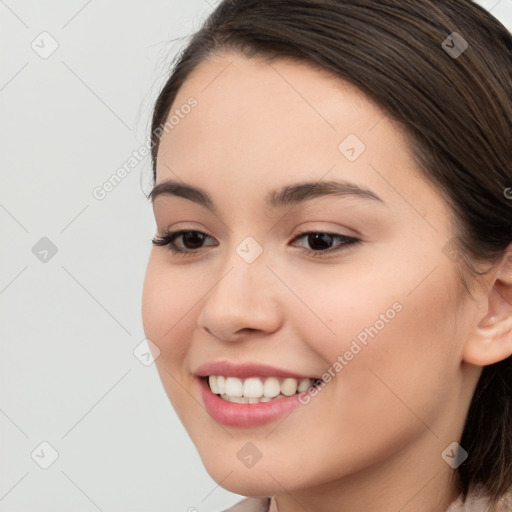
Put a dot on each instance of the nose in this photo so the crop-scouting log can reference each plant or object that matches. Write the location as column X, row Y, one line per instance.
column 242, row 299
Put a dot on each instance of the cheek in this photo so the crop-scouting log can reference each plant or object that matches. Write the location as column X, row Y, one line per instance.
column 382, row 334
column 168, row 321
column 342, row 305
column 167, row 309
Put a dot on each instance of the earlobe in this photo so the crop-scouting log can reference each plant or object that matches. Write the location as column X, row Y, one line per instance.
column 491, row 340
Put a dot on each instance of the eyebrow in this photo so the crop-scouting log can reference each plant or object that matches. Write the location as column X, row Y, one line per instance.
column 287, row 195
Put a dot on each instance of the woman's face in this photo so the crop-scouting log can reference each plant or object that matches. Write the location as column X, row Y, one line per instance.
column 256, row 297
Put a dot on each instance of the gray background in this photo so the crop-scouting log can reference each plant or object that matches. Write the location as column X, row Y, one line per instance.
column 71, row 320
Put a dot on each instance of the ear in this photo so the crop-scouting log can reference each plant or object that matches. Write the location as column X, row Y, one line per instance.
column 491, row 340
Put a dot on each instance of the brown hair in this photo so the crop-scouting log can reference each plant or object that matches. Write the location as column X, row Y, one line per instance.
column 455, row 105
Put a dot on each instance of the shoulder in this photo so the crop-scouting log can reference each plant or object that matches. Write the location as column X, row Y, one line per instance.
column 250, row 505
column 476, row 501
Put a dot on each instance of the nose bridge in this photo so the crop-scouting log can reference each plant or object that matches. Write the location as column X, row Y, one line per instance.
column 245, row 269
column 244, row 295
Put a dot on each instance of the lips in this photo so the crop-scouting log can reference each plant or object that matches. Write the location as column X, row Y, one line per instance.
column 234, row 408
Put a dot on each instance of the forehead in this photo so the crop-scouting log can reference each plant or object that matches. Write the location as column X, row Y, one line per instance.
column 282, row 109
column 257, row 125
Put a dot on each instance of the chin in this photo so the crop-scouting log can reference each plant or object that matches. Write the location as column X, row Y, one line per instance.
column 255, row 482
column 253, row 485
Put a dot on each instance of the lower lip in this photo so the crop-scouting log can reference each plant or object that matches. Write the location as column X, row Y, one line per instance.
column 245, row 415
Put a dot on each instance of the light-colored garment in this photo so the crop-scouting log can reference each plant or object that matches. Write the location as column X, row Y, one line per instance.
column 475, row 502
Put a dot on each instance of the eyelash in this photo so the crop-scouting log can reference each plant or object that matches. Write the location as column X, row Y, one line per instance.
column 169, row 237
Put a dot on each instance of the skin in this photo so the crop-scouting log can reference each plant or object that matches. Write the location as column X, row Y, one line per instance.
column 372, row 439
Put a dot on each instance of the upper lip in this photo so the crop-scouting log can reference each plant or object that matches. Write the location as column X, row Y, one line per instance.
column 244, row 370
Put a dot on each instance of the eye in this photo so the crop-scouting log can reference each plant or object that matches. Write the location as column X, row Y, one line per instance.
column 321, row 243
column 191, row 240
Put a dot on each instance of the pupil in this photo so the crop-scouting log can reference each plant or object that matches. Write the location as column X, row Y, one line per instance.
column 324, row 239
column 189, row 237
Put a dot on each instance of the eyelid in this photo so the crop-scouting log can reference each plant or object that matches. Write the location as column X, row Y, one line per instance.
column 328, row 226
column 337, row 229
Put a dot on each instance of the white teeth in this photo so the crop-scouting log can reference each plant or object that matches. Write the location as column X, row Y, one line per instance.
column 253, row 388
column 236, row 399
column 233, row 387
column 271, row 387
column 289, row 387
column 256, row 389
column 304, row 385
column 213, row 384
column 221, row 384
